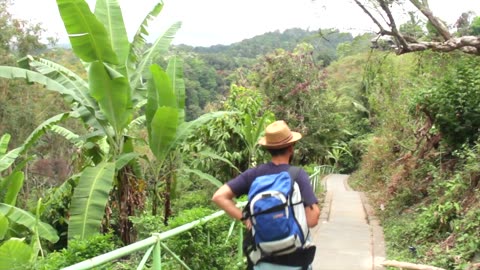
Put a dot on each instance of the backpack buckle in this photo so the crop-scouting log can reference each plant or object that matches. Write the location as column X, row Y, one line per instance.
column 245, row 215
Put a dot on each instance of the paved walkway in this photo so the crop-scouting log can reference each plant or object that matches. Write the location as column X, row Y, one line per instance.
column 348, row 236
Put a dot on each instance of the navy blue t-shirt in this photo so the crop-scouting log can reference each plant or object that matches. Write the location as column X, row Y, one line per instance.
column 240, row 185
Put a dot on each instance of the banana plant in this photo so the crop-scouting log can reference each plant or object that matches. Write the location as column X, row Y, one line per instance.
column 110, row 102
column 117, row 70
column 15, row 252
column 167, row 129
column 339, row 150
column 252, row 131
column 11, row 185
column 107, row 102
column 122, row 84
column 253, row 119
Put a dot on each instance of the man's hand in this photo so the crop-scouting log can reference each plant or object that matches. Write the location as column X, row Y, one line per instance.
column 223, row 197
column 313, row 214
column 248, row 223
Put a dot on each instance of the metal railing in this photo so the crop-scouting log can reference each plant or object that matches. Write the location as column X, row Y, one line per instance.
column 154, row 244
column 319, row 173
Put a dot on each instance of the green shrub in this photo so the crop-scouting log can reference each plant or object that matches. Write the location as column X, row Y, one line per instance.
column 453, row 101
column 147, row 224
column 207, row 246
column 445, row 229
column 77, row 251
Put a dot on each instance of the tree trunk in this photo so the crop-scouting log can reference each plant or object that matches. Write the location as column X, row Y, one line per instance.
column 131, row 197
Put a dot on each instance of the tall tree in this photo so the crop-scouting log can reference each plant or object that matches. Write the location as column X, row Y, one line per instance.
column 18, row 38
column 294, row 86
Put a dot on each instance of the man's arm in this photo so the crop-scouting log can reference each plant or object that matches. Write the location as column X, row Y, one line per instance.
column 223, row 197
column 313, row 214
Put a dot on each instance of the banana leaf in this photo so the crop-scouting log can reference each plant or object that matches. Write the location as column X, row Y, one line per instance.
column 4, row 140
column 68, row 135
column 32, row 76
column 175, row 73
column 15, row 254
column 29, row 220
column 89, row 200
column 139, row 39
column 3, row 226
column 42, row 129
column 205, row 176
column 67, row 78
column 163, row 131
column 87, row 111
column 159, row 47
column 124, row 159
column 112, row 94
column 13, row 183
column 160, row 93
column 108, row 12
column 10, row 157
column 212, row 155
column 88, row 37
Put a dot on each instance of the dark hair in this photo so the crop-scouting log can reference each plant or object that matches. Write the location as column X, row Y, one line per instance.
column 278, row 152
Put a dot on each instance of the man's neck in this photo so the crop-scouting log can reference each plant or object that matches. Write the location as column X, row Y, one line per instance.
column 278, row 160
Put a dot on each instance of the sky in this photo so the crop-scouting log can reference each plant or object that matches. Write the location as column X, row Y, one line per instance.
column 212, row 22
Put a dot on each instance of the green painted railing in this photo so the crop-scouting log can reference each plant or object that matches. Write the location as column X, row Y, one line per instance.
column 154, row 245
column 319, row 173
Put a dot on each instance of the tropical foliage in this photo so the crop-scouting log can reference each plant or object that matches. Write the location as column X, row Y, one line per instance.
column 418, row 167
column 294, row 86
column 117, row 138
column 107, row 103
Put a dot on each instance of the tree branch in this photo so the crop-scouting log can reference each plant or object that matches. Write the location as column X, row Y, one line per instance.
column 439, row 26
column 406, row 44
column 466, row 44
column 382, row 30
column 393, row 25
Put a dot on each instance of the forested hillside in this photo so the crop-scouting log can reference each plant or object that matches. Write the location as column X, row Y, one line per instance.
column 106, row 143
column 209, row 71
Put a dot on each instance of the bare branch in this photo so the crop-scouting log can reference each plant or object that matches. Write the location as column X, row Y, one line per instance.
column 382, row 30
column 393, row 26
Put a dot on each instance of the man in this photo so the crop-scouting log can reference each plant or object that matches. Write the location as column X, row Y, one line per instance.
column 279, row 140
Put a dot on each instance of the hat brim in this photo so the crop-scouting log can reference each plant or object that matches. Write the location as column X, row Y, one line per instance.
column 295, row 137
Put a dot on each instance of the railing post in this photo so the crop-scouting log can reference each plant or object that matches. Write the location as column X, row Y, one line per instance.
column 157, row 256
column 175, row 256
column 240, row 244
column 208, row 238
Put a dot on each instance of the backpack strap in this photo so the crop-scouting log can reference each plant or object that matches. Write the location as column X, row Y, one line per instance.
column 294, row 171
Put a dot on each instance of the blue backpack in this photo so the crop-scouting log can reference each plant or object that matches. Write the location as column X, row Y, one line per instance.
column 277, row 213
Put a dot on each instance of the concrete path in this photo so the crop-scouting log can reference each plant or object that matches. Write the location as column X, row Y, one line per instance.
column 348, row 236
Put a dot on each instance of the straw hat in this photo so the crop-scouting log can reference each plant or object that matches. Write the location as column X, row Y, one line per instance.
column 278, row 135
